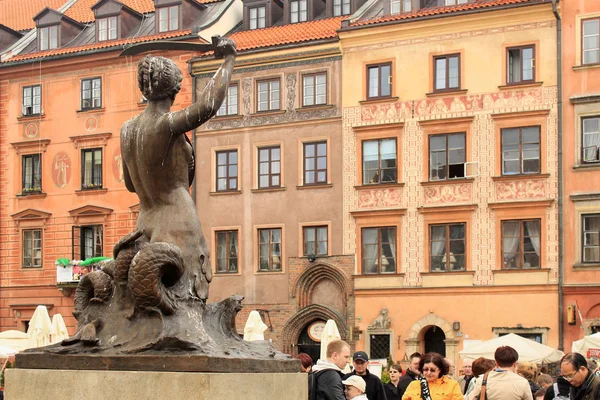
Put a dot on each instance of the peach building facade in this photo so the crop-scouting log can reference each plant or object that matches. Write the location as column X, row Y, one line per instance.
column 451, row 161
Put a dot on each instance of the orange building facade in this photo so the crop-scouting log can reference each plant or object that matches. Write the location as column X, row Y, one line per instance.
column 581, row 187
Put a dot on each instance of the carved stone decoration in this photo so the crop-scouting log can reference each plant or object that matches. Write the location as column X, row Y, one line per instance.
column 290, row 88
column 376, row 198
column 447, row 193
column 61, row 169
column 151, row 299
column 31, row 130
column 383, row 321
column 528, row 189
column 247, row 96
column 397, row 110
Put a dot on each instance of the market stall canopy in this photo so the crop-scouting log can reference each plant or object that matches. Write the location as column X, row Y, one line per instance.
column 58, row 330
column 15, row 340
column 589, row 346
column 39, row 327
column 255, row 327
column 330, row 333
column 528, row 349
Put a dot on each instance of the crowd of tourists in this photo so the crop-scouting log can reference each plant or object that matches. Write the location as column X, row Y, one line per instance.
column 431, row 377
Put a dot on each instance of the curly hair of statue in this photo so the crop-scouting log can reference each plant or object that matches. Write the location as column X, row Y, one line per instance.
column 158, row 78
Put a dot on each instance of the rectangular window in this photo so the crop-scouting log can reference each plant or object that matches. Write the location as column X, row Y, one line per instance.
column 230, row 104
column 520, row 65
column 590, row 131
column 341, row 7
column 91, row 241
column 398, row 6
column 168, row 19
column 91, row 93
column 590, row 247
column 269, row 167
column 227, row 252
column 32, row 248
column 379, row 80
column 590, row 40
column 447, row 72
column 314, row 89
column 447, row 156
column 315, row 163
column 379, row 161
column 269, row 242
column 455, row 2
column 315, row 240
column 268, row 95
column 257, row 17
column 521, row 244
column 48, row 37
column 447, row 247
column 298, row 11
column 227, row 170
column 521, row 150
column 378, row 250
column 32, row 173
column 91, row 169
column 32, row 100
column 379, row 346
column 107, row 28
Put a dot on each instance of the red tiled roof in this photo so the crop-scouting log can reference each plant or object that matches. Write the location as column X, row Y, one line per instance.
column 97, row 46
column 82, row 10
column 286, row 34
column 426, row 12
column 18, row 14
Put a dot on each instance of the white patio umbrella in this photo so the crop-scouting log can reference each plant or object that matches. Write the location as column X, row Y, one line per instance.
column 588, row 342
column 528, row 349
column 58, row 330
column 6, row 352
column 330, row 333
column 15, row 339
column 39, row 327
column 255, row 327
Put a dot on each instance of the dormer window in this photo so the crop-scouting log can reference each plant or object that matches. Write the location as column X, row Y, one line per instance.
column 298, row 11
column 455, row 2
column 400, row 6
column 168, row 18
column 341, row 7
column 258, row 17
column 48, row 37
column 107, row 28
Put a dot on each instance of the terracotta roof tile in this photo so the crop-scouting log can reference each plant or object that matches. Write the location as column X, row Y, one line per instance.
column 425, row 12
column 96, row 46
column 287, row 34
column 18, row 14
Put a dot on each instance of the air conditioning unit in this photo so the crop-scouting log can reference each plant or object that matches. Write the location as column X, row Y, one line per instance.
column 471, row 169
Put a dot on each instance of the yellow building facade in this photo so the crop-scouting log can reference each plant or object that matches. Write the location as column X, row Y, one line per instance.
column 450, row 189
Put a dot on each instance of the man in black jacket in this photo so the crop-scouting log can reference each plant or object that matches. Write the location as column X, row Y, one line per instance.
column 412, row 373
column 585, row 385
column 375, row 389
column 325, row 380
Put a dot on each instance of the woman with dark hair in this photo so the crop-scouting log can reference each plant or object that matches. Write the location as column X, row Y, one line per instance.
column 391, row 389
column 433, row 384
column 306, row 361
column 480, row 367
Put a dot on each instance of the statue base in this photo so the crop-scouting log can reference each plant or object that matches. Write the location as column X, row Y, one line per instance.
column 34, row 384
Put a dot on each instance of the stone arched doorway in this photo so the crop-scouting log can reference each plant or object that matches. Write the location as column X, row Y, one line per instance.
column 306, row 344
column 434, row 340
column 416, row 341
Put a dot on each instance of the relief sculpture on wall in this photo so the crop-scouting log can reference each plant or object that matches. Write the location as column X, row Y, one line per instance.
column 529, row 189
column 448, row 193
column 376, row 198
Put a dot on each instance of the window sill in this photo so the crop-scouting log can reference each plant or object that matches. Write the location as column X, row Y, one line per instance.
column 267, row 113
column 519, row 177
column 316, row 107
column 318, row 186
column 37, row 268
column 587, row 167
column 224, row 274
column 31, row 195
column 273, row 189
column 440, row 273
column 586, row 267
column 232, row 117
column 520, row 85
column 379, row 185
column 447, row 182
column 259, row 272
column 379, row 275
column 81, row 192
column 91, row 110
column 585, row 66
column 224, row 192
column 32, row 117
column 519, row 270
column 447, row 92
column 389, row 99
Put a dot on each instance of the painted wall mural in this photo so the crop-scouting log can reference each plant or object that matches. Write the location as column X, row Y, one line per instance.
column 457, row 193
column 61, row 170
column 515, row 190
column 379, row 198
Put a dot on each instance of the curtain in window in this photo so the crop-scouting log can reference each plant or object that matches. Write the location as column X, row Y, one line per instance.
column 369, row 250
column 591, row 139
column 391, row 267
column 438, row 243
column 533, row 228
column 511, row 239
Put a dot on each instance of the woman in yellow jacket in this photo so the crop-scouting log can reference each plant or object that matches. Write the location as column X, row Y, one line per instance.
column 433, row 384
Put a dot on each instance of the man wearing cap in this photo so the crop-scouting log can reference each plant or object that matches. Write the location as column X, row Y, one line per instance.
column 374, row 387
column 355, row 388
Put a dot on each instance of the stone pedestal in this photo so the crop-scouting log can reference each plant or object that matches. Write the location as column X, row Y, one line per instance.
column 35, row 384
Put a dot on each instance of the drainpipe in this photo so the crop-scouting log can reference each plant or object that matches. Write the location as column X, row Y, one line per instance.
column 560, row 178
column 194, row 133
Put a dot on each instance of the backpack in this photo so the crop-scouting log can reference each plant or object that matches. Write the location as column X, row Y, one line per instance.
column 557, row 395
column 312, row 383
